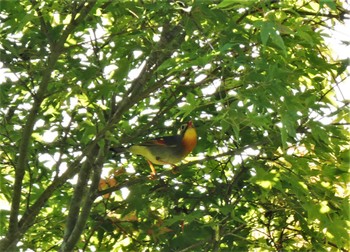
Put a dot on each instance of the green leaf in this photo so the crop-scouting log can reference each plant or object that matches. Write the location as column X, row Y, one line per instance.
column 229, row 4
column 277, row 39
column 270, row 168
column 266, row 31
column 330, row 3
column 284, row 137
column 226, row 3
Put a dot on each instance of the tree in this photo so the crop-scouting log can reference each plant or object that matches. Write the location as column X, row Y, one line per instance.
column 79, row 77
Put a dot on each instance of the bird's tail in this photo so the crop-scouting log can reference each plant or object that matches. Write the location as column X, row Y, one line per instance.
column 118, row 150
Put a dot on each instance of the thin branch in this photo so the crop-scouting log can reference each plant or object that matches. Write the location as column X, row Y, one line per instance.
column 193, row 246
column 72, row 236
column 79, row 193
column 181, row 167
column 24, row 148
column 156, row 58
column 13, row 234
column 44, row 26
column 29, row 216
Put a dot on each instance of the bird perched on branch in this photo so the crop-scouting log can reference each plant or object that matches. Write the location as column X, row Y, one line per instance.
column 167, row 149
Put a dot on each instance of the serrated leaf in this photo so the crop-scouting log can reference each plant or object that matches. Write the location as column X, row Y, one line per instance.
column 330, row 3
column 284, row 135
column 265, row 32
column 277, row 39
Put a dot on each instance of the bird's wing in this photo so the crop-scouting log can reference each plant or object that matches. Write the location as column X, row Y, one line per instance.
column 169, row 141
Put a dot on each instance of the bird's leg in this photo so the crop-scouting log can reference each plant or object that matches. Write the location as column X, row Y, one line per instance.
column 175, row 169
column 153, row 173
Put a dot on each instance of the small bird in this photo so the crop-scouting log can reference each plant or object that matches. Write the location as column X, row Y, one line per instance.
column 167, row 149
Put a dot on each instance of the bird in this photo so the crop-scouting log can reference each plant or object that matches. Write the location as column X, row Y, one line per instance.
column 167, row 149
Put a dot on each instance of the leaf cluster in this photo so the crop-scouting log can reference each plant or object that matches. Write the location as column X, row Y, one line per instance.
column 270, row 170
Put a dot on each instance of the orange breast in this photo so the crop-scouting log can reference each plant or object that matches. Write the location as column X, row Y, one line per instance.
column 189, row 140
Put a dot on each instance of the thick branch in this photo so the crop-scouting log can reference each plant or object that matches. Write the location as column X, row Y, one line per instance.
column 75, row 227
column 79, row 193
column 74, row 235
column 26, row 140
column 156, row 58
column 13, row 234
column 29, row 216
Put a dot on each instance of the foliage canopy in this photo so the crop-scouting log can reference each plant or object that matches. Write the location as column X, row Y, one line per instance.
column 78, row 77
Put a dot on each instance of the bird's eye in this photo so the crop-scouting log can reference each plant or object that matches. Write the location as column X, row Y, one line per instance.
column 182, row 129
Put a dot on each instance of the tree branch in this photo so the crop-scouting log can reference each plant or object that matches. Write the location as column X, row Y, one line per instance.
column 13, row 234
column 25, row 146
column 29, row 216
column 79, row 193
column 163, row 51
column 75, row 225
